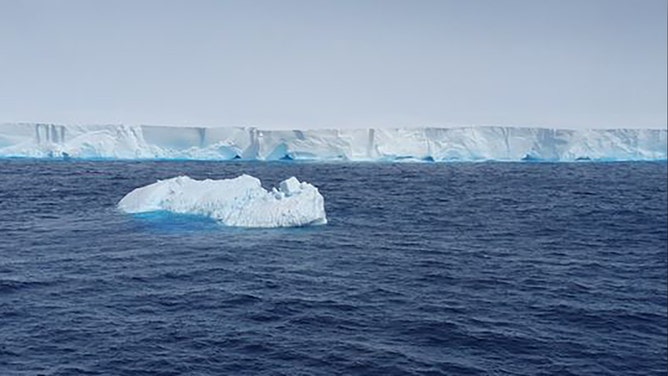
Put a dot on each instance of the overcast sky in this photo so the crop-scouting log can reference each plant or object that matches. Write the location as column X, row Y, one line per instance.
column 335, row 63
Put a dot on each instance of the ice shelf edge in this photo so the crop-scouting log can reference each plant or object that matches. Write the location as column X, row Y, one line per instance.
column 147, row 142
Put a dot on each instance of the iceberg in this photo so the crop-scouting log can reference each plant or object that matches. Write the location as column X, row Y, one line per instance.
column 238, row 202
column 364, row 144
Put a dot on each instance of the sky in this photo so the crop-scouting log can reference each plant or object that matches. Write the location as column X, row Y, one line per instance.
column 335, row 63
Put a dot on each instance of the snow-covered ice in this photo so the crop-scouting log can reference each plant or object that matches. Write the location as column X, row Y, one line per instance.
column 238, row 202
column 366, row 144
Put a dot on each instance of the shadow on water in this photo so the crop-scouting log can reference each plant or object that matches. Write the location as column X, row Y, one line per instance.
column 168, row 222
column 174, row 223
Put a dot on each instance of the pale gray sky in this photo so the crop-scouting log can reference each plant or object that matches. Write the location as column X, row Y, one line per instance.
column 335, row 63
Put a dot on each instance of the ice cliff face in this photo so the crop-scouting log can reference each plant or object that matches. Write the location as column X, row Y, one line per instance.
column 239, row 202
column 432, row 144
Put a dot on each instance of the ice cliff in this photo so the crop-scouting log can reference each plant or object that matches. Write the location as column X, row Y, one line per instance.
column 238, row 202
column 369, row 144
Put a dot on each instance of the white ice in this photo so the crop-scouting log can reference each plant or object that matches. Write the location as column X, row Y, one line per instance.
column 238, row 202
column 367, row 144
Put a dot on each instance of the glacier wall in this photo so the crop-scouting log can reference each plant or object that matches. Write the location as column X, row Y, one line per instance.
column 369, row 144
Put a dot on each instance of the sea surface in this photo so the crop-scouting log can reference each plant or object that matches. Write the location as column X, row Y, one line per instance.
column 423, row 269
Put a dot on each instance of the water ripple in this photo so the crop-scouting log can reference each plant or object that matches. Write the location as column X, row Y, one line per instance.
column 424, row 269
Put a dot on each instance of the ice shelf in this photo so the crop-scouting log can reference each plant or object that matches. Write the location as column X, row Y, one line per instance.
column 367, row 144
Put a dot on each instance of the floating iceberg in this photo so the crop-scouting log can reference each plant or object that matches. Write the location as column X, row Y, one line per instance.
column 367, row 144
column 238, row 202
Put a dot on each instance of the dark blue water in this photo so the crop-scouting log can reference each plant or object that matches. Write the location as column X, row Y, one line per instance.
column 424, row 269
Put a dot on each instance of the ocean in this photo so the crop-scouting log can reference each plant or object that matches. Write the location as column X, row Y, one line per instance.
column 423, row 269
